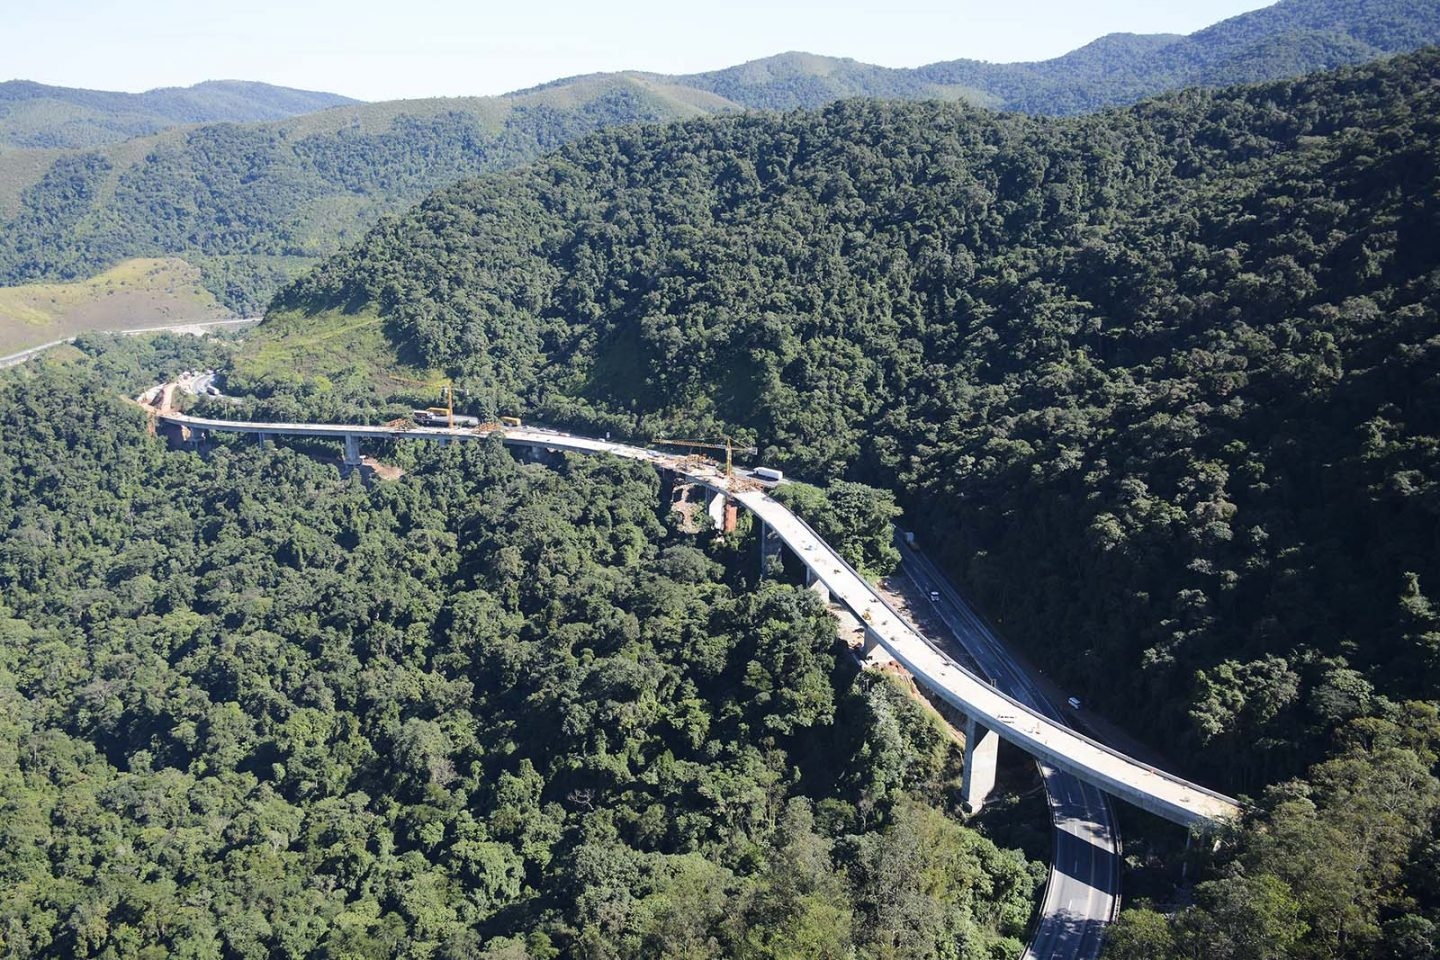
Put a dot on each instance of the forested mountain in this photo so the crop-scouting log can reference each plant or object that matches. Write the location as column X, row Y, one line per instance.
column 251, row 206
column 250, row 709
column 1160, row 384
column 37, row 115
column 1287, row 39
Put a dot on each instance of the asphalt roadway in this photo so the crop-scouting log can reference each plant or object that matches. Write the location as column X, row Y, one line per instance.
column 1083, row 891
column 193, row 327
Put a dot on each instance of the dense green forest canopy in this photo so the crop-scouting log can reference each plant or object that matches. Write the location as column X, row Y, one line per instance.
column 1155, row 339
column 253, row 205
column 1162, row 386
column 250, row 709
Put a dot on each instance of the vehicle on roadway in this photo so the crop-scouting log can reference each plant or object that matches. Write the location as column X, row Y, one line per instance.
column 934, row 596
column 768, row 473
column 1074, row 703
column 440, row 417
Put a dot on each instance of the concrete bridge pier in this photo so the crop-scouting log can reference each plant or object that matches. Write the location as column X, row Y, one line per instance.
column 770, row 547
column 352, row 453
column 716, row 509
column 814, row 583
column 982, row 749
column 872, row 640
column 723, row 512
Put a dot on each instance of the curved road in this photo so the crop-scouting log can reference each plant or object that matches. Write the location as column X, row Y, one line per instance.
column 1038, row 734
column 1083, row 891
column 195, row 327
column 1082, row 894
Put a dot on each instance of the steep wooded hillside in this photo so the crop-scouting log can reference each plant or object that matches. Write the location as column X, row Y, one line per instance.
column 1162, row 385
column 1152, row 339
column 488, row 710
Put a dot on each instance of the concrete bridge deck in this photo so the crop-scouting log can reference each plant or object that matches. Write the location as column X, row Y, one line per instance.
column 1123, row 777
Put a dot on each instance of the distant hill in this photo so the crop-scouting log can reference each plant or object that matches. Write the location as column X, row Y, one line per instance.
column 1288, row 39
column 253, row 205
column 35, row 115
column 802, row 80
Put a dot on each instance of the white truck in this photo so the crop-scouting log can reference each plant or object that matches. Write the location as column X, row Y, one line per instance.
column 440, row 418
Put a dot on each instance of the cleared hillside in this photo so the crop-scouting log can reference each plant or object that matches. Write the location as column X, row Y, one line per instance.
column 135, row 293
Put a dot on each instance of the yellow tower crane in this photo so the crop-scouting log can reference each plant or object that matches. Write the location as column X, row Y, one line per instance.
column 447, row 393
column 728, row 446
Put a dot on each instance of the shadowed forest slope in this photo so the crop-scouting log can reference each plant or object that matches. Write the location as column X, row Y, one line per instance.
column 1180, row 349
column 1161, row 385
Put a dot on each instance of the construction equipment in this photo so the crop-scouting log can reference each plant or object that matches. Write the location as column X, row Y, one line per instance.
column 728, row 446
column 447, row 393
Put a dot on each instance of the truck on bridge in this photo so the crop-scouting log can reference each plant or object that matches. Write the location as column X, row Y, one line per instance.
column 441, row 417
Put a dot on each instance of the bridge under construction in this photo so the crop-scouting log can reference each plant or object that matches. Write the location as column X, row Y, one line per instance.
column 990, row 712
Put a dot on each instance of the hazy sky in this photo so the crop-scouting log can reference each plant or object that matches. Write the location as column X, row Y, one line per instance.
column 377, row 50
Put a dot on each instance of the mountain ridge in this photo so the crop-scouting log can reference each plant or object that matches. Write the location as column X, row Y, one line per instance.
column 38, row 115
column 1089, row 77
column 251, row 205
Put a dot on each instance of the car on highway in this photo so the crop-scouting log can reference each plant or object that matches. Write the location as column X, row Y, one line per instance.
column 934, row 596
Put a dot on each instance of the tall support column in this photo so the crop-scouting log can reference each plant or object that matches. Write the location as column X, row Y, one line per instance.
column 667, row 487
column 352, row 452
column 770, row 545
column 814, row 583
column 716, row 509
column 872, row 640
column 982, row 748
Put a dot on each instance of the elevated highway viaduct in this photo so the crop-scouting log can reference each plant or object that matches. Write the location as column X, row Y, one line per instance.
column 989, row 709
